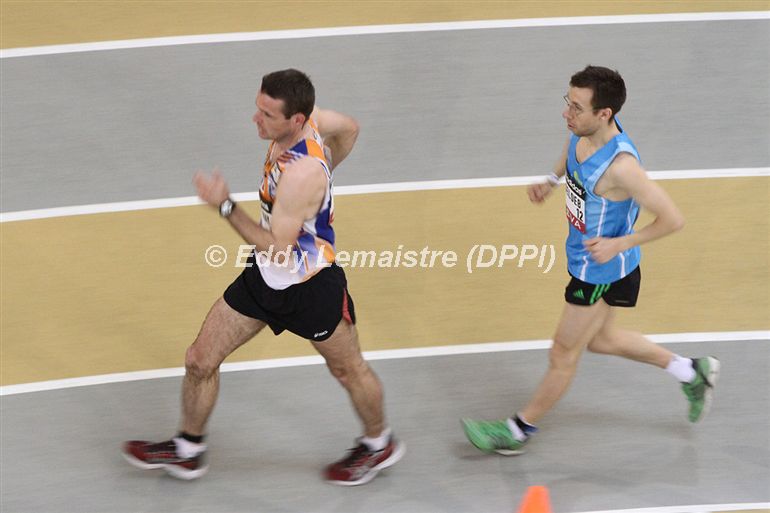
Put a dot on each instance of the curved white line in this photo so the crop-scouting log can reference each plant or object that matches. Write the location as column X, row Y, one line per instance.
column 382, row 29
column 345, row 190
column 700, row 508
column 494, row 347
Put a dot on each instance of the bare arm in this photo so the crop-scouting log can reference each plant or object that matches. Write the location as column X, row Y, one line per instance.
column 538, row 192
column 338, row 131
column 302, row 182
column 626, row 174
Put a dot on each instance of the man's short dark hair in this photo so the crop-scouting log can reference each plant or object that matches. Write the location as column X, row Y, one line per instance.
column 607, row 85
column 294, row 88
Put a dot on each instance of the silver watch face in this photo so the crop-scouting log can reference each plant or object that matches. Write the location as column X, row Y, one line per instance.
column 226, row 208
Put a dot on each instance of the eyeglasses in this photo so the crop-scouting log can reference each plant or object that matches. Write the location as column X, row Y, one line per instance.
column 574, row 108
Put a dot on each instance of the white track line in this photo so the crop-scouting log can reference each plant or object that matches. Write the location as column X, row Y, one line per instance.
column 494, row 347
column 345, row 190
column 382, row 29
column 700, row 508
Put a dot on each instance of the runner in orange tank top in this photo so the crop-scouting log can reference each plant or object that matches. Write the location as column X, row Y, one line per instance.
column 292, row 283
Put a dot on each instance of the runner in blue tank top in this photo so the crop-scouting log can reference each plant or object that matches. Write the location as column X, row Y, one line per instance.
column 591, row 215
column 605, row 188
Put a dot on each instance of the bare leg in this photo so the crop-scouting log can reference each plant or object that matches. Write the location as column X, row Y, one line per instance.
column 628, row 344
column 577, row 327
column 344, row 360
column 223, row 331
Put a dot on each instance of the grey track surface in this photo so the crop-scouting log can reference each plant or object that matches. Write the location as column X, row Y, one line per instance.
column 620, row 439
column 123, row 125
column 133, row 125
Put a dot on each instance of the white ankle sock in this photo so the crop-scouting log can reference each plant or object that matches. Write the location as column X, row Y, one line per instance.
column 188, row 449
column 378, row 443
column 517, row 432
column 681, row 368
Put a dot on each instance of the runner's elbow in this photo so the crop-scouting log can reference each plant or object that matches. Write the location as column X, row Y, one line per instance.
column 353, row 129
column 677, row 223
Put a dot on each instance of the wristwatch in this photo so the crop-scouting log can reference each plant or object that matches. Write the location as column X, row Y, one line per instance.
column 226, row 208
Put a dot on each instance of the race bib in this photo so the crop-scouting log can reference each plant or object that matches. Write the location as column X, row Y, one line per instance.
column 576, row 204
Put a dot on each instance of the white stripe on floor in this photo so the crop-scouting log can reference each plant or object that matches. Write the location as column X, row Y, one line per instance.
column 346, row 190
column 702, row 508
column 382, row 29
column 494, row 347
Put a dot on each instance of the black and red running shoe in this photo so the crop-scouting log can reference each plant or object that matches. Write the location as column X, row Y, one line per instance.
column 362, row 464
column 148, row 455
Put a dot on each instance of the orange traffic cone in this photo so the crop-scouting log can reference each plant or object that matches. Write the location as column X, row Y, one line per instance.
column 536, row 501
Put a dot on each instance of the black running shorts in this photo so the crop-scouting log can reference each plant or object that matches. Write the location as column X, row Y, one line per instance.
column 623, row 292
column 311, row 309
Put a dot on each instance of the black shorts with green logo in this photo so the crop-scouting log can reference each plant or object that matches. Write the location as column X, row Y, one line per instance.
column 618, row 293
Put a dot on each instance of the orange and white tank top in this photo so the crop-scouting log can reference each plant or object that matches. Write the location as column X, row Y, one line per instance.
column 314, row 248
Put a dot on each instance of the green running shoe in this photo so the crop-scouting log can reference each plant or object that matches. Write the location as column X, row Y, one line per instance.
column 492, row 436
column 700, row 391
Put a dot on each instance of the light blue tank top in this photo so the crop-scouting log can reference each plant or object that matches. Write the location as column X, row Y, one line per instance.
column 590, row 215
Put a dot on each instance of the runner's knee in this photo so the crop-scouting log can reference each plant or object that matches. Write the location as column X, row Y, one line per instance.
column 597, row 345
column 563, row 355
column 197, row 365
column 601, row 343
column 346, row 372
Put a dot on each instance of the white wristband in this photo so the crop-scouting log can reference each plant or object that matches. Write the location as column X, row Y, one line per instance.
column 553, row 179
